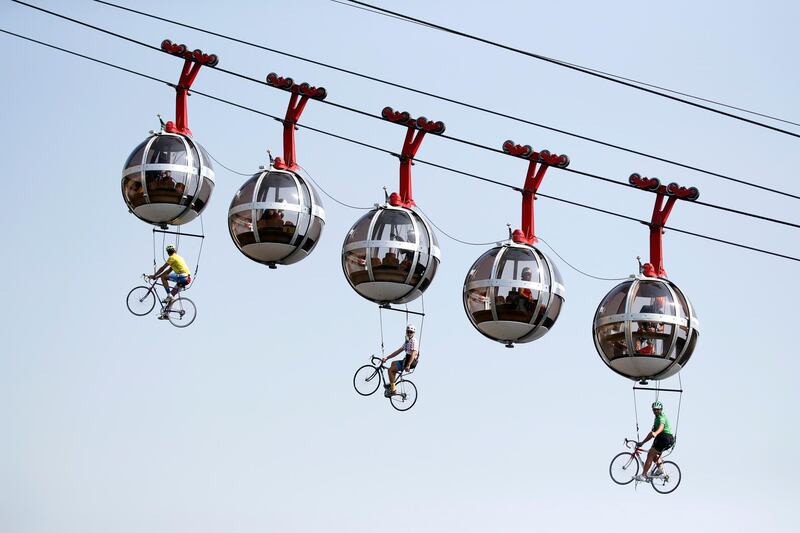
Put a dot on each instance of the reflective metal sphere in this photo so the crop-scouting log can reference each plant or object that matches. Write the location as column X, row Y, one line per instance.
column 390, row 255
column 168, row 179
column 276, row 218
column 645, row 328
column 513, row 293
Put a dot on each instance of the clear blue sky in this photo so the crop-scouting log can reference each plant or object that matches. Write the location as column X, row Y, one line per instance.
column 247, row 420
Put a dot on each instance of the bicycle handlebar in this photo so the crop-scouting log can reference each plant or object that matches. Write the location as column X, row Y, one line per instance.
column 378, row 359
column 631, row 441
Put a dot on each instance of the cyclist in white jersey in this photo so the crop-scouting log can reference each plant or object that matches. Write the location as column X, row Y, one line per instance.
column 411, row 348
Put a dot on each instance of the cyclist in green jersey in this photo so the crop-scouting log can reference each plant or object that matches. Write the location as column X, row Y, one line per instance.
column 662, row 433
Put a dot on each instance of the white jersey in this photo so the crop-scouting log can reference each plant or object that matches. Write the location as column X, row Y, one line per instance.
column 411, row 345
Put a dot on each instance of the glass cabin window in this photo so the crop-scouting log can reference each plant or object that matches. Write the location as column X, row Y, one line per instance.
column 611, row 338
column 479, row 304
column 241, row 228
column 278, row 187
column 135, row 159
column 245, row 194
column 614, row 302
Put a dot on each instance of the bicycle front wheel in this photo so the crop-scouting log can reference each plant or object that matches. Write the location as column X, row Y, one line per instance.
column 182, row 312
column 141, row 300
column 623, row 468
column 669, row 479
column 366, row 380
column 405, row 395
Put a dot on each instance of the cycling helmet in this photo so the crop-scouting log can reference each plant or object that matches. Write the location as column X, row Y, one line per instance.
column 657, row 405
column 411, row 328
column 170, row 248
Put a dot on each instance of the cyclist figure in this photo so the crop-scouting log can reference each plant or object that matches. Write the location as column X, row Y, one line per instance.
column 411, row 347
column 174, row 269
column 663, row 440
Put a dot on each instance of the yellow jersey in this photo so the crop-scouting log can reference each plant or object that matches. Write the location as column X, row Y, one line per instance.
column 178, row 265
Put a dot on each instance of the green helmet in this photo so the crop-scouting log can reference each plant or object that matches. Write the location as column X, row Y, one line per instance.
column 170, row 248
column 657, row 405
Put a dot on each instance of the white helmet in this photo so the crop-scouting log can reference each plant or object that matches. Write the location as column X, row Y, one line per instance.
column 411, row 328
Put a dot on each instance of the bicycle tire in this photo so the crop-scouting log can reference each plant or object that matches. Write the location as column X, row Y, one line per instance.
column 405, row 395
column 621, row 466
column 182, row 312
column 366, row 380
column 669, row 481
column 140, row 300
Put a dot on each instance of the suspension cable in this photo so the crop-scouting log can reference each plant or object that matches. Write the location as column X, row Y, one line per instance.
column 449, row 100
column 579, row 69
column 380, row 317
column 636, row 413
column 443, row 167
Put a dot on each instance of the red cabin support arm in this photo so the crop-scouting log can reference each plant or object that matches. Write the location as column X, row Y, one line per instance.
column 300, row 95
column 192, row 63
column 661, row 211
column 533, row 179
column 417, row 128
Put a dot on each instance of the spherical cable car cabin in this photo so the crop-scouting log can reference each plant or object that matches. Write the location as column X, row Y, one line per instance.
column 514, row 292
column 646, row 328
column 169, row 178
column 391, row 254
column 277, row 217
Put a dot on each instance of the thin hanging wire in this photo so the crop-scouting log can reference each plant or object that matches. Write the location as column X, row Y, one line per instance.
column 200, row 252
column 328, row 195
column 576, row 269
column 421, row 325
column 678, row 416
column 636, row 413
column 380, row 317
column 229, row 169
column 450, row 236
column 154, row 251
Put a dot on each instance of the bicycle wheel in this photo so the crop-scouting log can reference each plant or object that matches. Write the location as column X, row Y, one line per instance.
column 405, row 395
column 182, row 312
column 669, row 480
column 366, row 380
column 141, row 300
column 623, row 468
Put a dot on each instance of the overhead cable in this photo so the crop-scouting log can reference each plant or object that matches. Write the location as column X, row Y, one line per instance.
column 384, row 150
column 577, row 68
column 474, row 107
column 654, row 86
column 378, row 117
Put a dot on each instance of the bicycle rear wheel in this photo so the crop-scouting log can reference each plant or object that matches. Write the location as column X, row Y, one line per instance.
column 669, row 480
column 182, row 312
column 141, row 300
column 623, row 468
column 366, row 380
column 405, row 395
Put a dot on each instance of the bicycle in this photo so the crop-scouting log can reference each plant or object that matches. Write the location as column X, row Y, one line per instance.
column 368, row 379
column 181, row 312
column 625, row 467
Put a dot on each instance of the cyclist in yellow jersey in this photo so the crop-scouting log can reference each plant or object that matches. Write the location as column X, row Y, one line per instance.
column 174, row 269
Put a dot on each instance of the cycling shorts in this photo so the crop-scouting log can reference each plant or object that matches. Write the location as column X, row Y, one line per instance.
column 180, row 279
column 663, row 441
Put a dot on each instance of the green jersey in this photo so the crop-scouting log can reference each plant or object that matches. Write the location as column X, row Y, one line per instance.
column 662, row 419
